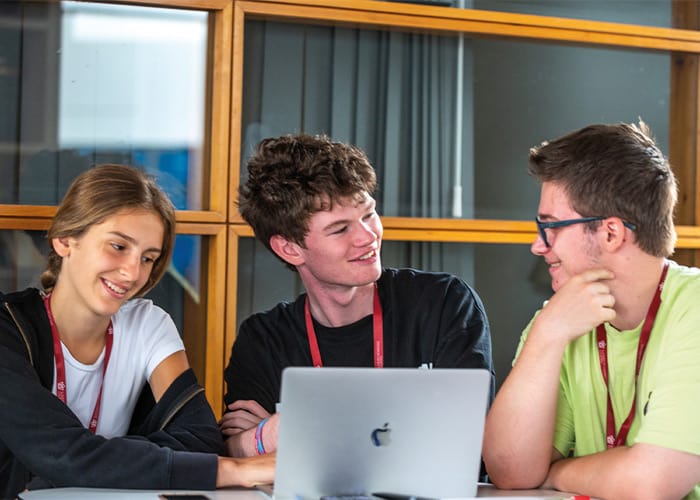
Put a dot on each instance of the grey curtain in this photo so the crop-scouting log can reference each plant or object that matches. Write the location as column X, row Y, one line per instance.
column 391, row 93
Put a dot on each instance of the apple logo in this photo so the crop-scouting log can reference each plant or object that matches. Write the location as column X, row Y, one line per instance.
column 381, row 436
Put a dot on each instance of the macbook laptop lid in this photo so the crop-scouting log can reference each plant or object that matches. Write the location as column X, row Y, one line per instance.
column 360, row 431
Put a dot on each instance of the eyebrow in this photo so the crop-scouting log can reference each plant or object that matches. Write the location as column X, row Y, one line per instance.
column 133, row 241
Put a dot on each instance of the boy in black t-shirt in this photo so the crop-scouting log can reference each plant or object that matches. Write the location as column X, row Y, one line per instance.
column 309, row 201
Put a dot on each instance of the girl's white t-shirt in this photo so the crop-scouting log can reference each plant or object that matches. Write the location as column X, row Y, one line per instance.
column 144, row 335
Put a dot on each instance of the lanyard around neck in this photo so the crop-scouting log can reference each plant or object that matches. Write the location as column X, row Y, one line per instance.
column 377, row 327
column 61, row 365
column 611, row 439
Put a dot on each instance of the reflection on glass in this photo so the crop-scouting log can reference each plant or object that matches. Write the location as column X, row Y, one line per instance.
column 22, row 259
column 396, row 95
column 86, row 83
column 529, row 92
column 510, row 280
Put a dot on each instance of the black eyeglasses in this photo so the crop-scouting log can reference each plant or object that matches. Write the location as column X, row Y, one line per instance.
column 541, row 226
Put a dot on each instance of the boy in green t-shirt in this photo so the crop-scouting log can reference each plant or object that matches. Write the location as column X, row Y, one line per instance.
column 604, row 395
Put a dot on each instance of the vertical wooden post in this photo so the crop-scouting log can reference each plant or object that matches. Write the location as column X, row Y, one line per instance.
column 684, row 132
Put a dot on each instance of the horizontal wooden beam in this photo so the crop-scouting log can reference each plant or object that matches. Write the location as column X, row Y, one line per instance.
column 474, row 231
column 449, row 20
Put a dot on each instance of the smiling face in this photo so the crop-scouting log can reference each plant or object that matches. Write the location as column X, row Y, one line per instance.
column 341, row 248
column 573, row 249
column 110, row 262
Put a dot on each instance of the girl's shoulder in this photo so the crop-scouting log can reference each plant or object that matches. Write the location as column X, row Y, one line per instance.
column 140, row 310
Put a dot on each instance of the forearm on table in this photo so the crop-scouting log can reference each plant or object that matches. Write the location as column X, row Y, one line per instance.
column 628, row 472
column 520, row 425
column 246, row 472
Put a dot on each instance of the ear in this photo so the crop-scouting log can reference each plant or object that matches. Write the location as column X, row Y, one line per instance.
column 615, row 233
column 286, row 250
column 61, row 246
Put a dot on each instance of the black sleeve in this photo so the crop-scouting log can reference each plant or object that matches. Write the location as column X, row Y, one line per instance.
column 181, row 420
column 465, row 336
column 42, row 434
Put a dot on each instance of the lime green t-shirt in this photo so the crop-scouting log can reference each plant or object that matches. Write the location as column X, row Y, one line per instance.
column 668, row 392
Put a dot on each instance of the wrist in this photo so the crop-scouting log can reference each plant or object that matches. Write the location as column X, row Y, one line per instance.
column 552, row 481
column 226, row 471
column 542, row 338
column 259, row 437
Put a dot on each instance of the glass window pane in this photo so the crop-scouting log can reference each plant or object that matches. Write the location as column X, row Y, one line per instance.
column 22, row 259
column 182, row 293
column 511, row 281
column 446, row 120
column 526, row 93
column 85, row 83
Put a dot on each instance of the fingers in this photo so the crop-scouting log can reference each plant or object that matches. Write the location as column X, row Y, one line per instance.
column 238, row 421
column 242, row 415
column 594, row 290
column 592, row 275
column 582, row 304
column 600, row 298
column 593, row 284
column 234, row 445
column 251, row 406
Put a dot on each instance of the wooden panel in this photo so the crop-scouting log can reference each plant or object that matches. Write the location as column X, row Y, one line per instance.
column 194, row 323
column 236, row 109
column 28, row 224
column 231, row 302
column 189, row 4
column 29, row 211
column 198, row 228
column 215, row 318
column 683, row 126
column 199, row 216
column 688, row 237
column 220, row 30
column 462, row 230
column 476, row 22
column 473, row 231
column 185, row 218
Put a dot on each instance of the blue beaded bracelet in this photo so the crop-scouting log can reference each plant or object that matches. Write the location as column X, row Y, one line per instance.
column 258, row 437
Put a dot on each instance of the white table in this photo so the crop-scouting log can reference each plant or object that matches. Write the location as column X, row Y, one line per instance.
column 485, row 491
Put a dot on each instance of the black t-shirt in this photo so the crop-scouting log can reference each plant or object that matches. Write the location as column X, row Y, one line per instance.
column 431, row 320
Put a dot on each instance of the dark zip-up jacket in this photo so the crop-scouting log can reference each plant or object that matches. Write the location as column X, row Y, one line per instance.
column 172, row 444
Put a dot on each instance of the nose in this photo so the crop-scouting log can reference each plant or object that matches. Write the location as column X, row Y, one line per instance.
column 538, row 247
column 131, row 267
column 367, row 234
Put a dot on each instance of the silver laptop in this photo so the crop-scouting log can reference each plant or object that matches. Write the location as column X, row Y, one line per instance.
column 355, row 432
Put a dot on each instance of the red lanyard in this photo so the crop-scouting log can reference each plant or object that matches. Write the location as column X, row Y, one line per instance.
column 61, row 366
column 377, row 327
column 611, row 439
